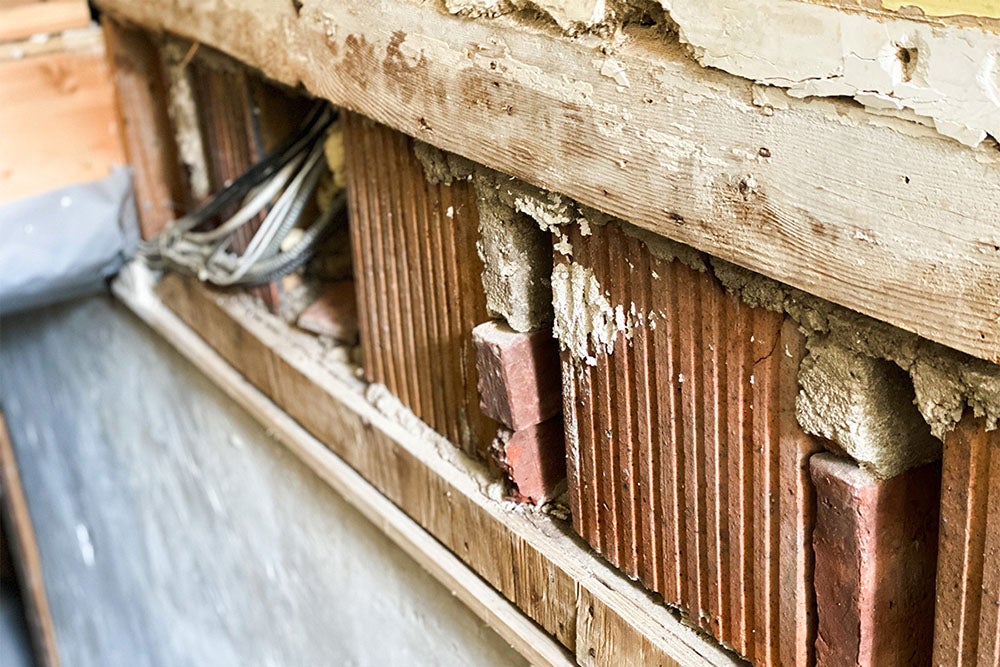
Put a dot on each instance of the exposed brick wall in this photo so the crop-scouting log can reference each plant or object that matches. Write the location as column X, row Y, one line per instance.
column 687, row 467
column 967, row 615
column 419, row 283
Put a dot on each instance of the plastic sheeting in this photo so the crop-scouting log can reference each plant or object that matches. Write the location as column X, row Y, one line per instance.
column 66, row 243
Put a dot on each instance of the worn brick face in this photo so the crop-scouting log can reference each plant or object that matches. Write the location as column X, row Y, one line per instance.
column 419, row 287
column 334, row 313
column 967, row 616
column 519, row 381
column 686, row 465
column 533, row 460
column 875, row 543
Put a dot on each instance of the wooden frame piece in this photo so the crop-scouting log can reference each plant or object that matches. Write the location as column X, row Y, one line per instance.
column 22, row 20
column 591, row 609
column 874, row 213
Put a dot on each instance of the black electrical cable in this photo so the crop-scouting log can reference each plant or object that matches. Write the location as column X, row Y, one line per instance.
column 316, row 122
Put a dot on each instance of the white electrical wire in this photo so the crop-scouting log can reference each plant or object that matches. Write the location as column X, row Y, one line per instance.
column 286, row 191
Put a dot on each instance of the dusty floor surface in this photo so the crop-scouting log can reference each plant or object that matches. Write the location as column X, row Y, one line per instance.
column 174, row 531
column 15, row 651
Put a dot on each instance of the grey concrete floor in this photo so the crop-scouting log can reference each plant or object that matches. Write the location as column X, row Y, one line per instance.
column 174, row 531
column 15, row 649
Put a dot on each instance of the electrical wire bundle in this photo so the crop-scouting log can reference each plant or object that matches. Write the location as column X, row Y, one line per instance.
column 283, row 185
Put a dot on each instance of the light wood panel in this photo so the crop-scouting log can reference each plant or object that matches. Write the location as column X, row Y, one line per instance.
column 57, row 121
column 20, row 20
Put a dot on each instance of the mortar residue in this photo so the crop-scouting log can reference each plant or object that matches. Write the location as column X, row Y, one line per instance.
column 945, row 381
column 585, row 322
column 517, row 259
column 865, row 405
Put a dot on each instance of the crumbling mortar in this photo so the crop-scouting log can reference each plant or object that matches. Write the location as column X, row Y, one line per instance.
column 945, row 381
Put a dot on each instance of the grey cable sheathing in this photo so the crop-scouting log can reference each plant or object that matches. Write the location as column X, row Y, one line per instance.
column 66, row 243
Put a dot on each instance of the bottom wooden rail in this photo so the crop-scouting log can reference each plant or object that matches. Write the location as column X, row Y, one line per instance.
column 512, row 566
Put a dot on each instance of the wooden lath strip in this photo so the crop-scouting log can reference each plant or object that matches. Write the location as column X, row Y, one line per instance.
column 24, row 549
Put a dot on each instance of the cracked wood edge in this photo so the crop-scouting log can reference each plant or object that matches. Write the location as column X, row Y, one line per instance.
column 527, row 558
column 876, row 214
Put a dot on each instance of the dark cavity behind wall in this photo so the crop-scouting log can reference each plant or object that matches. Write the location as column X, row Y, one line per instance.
column 241, row 118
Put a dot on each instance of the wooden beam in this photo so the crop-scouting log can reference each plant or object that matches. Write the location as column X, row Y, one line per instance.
column 532, row 560
column 146, row 130
column 22, row 20
column 874, row 213
column 57, row 120
column 494, row 610
column 24, row 549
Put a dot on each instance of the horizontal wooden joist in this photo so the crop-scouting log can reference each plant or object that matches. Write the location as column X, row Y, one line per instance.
column 877, row 214
column 594, row 611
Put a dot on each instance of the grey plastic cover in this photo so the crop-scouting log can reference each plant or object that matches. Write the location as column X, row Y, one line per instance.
column 66, row 243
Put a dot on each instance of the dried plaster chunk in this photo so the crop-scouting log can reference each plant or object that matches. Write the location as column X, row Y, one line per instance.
column 568, row 14
column 865, row 405
column 949, row 75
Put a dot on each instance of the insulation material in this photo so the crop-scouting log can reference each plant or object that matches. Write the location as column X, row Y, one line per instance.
column 66, row 243
column 419, row 287
column 686, row 464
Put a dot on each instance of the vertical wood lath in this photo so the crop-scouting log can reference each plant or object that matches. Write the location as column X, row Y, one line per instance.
column 687, row 467
column 967, row 628
column 419, row 282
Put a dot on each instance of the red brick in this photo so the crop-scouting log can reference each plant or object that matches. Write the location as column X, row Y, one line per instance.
column 334, row 313
column 519, row 377
column 533, row 460
column 876, row 550
column 967, row 627
column 686, row 466
column 419, row 282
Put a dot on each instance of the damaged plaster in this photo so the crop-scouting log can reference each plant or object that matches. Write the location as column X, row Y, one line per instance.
column 865, row 405
column 568, row 14
column 942, row 75
column 585, row 321
column 517, row 259
column 947, row 76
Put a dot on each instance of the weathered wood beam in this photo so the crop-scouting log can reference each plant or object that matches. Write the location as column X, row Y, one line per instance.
column 877, row 214
column 586, row 605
